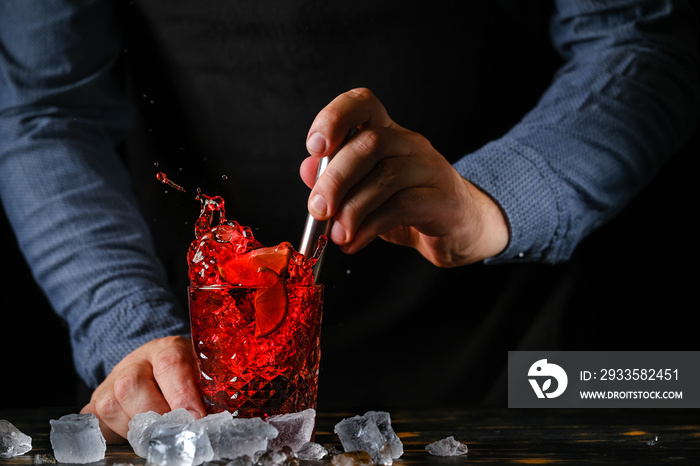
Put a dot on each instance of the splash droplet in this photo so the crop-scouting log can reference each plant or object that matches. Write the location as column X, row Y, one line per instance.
column 163, row 178
column 224, row 177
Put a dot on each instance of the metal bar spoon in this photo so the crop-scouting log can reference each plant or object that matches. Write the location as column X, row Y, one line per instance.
column 314, row 228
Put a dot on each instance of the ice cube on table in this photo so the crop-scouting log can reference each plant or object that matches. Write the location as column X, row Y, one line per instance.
column 142, row 425
column 447, row 447
column 241, row 461
column 179, row 445
column 294, row 429
column 282, row 457
column 12, row 441
column 212, row 425
column 352, row 458
column 312, row 451
column 76, row 438
column 383, row 421
column 241, row 437
column 139, row 434
column 370, row 432
column 44, row 459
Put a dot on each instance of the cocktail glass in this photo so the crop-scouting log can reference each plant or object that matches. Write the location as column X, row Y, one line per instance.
column 249, row 372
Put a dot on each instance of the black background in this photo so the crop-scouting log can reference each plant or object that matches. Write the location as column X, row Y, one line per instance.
column 633, row 287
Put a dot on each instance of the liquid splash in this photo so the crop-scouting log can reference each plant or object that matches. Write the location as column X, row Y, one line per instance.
column 163, row 178
column 218, row 240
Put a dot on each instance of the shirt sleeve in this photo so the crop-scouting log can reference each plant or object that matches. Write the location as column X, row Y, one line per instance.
column 626, row 99
column 63, row 186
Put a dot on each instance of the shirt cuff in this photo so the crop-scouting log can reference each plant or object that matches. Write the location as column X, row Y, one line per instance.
column 520, row 181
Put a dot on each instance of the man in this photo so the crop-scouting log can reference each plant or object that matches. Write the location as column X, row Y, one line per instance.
column 238, row 84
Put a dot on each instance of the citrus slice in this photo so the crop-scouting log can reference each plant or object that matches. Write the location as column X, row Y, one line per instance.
column 274, row 258
column 270, row 303
column 243, row 269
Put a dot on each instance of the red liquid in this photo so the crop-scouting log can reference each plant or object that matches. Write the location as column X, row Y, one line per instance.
column 249, row 376
column 256, row 319
column 163, row 178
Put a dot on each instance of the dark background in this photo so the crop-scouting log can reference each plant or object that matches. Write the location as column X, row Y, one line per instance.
column 628, row 286
column 647, row 256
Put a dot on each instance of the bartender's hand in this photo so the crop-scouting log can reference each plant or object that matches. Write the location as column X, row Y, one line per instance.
column 159, row 376
column 390, row 182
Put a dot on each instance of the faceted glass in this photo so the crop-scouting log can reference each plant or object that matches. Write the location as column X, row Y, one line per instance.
column 256, row 376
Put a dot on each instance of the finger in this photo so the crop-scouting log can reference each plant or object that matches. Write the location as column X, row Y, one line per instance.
column 308, row 169
column 174, row 371
column 357, row 108
column 417, row 190
column 390, row 176
column 129, row 390
column 352, row 164
column 423, row 208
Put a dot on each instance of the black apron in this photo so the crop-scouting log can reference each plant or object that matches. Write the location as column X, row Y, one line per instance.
column 226, row 91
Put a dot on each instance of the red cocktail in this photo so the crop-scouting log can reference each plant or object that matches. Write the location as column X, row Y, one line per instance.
column 256, row 320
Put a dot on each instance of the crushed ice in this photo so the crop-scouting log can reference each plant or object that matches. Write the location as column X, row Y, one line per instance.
column 44, row 459
column 312, row 451
column 142, row 426
column 295, row 429
column 175, row 438
column 241, row 437
column 12, row 441
column 77, row 438
column 372, row 433
column 447, row 447
column 179, row 445
column 352, row 458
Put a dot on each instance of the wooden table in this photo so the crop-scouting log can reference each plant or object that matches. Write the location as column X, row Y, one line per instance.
column 494, row 436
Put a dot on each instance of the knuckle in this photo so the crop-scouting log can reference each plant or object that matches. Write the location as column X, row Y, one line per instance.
column 446, row 259
column 107, row 406
column 174, row 340
column 126, row 384
column 442, row 261
column 350, row 214
column 416, row 139
column 400, row 209
column 387, row 173
column 330, row 116
column 369, row 142
column 170, row 359
column 330, row 182
column 403, row 202
column 361, row 93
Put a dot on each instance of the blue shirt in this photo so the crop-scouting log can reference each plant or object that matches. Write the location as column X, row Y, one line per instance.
column 65, row 190
column 626, row 99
